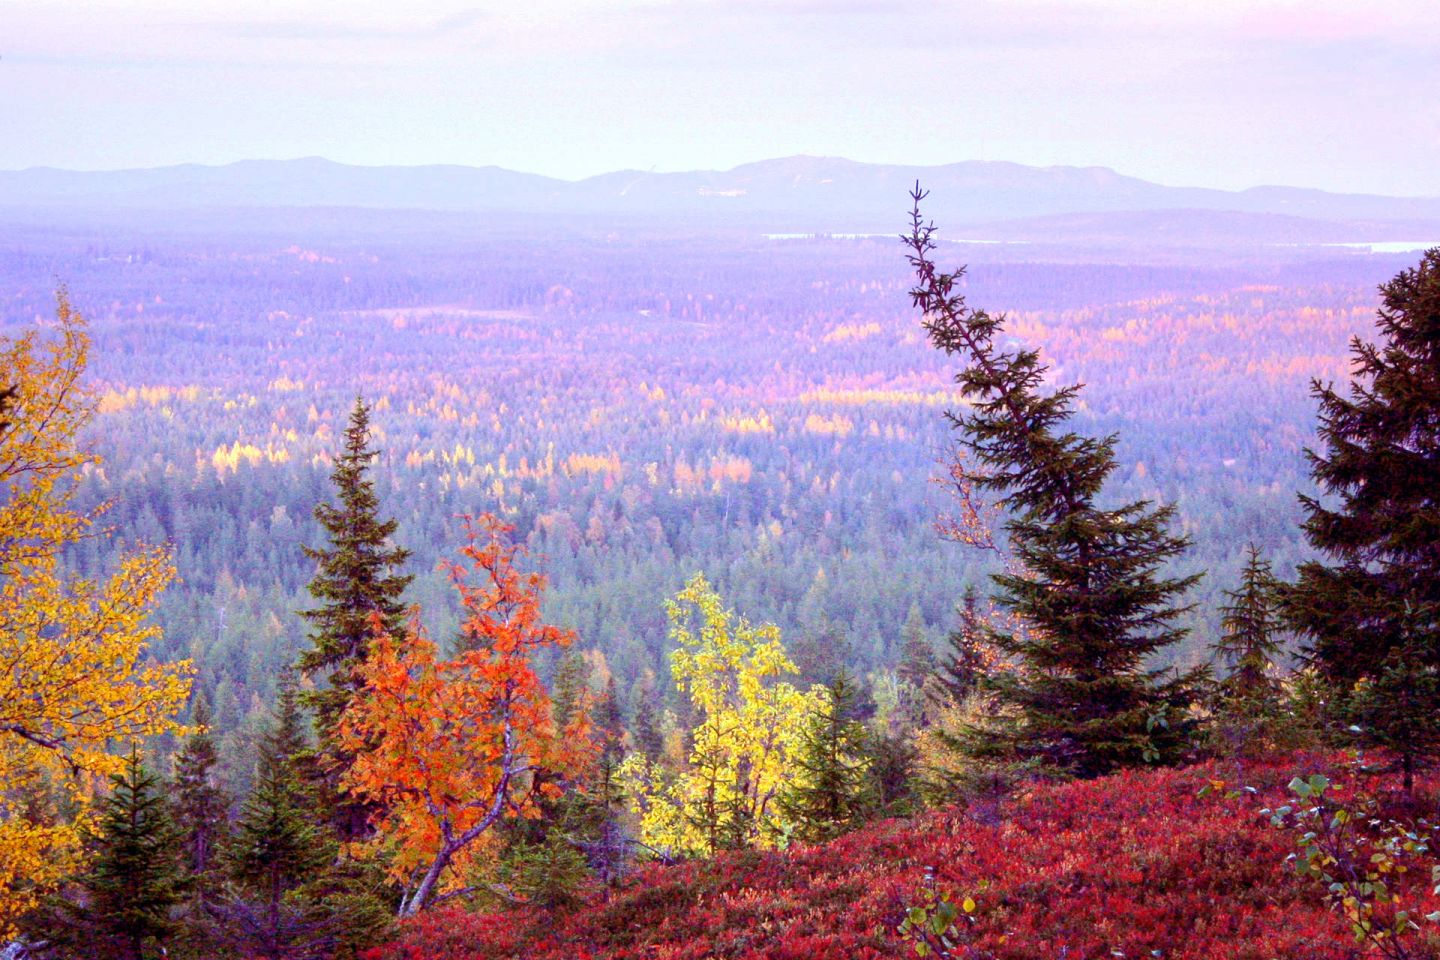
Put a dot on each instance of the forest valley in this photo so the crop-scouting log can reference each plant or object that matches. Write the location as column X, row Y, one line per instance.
column 1068, row 773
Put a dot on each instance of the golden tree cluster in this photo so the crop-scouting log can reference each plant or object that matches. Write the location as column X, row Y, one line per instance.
column 75, row 680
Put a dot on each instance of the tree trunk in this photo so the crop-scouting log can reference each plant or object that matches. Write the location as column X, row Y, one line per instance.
column 415, row 901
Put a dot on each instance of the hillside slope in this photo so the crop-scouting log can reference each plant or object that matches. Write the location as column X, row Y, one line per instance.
column 1135, row 865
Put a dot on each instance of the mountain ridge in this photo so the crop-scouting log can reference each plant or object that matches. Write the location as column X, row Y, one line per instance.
column 799, row 191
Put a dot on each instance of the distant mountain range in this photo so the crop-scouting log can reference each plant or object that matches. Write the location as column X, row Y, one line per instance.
column 796, row 193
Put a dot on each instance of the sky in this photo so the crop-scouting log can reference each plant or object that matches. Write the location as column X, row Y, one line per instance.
column 1336, row 94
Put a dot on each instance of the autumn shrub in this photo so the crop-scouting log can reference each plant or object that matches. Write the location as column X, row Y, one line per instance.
column 1354, row 844
column 936, row 924
column 1129, row 865
column 1356, row 854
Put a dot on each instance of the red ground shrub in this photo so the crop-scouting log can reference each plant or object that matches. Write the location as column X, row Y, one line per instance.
column 1134, row 865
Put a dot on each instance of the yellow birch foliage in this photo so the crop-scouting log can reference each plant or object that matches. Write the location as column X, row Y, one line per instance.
column 74, row 678
column 750, row 725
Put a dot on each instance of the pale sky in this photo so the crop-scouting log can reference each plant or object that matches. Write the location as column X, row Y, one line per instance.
column 1338, row 94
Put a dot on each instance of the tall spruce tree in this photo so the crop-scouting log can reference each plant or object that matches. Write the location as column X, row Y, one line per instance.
column 1250, row 644
column 827, row 795
column 355, row 581
column 1087, row 583
column 1371, row 616
column 136, row 877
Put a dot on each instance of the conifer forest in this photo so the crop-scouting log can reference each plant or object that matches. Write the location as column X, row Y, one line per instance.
column 679, row 555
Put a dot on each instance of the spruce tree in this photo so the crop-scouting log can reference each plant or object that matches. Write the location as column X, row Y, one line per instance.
column 136, row 876
column 200, row 803
column 572, row 680
column 826, row 796
column 355, row 582
column 202, row 812
column 649, row 738
column 1250, row 644
column 891, row 759
column 609, row 721
column 1371, row 615
column 278, row 853
column 579, row 834
column 277, row 838
column 1087, row 582
column 717, row 814
column 606, row 840
column 917, row 655
column 1396, row 708
column 964, row 664
column 821, row 651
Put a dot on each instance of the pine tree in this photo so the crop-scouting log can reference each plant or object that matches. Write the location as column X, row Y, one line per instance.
column 200, row 803
column 354, row 583
column 1371, row 617
column 1086, row 583
column 136, row 876
column 826, row 795
column 1250, row 645
column 278, row 849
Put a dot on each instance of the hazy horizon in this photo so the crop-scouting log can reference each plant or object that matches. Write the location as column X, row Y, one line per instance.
column 1234, row 95
column 726, row 169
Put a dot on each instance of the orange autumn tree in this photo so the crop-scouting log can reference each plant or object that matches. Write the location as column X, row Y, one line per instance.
column 452, row 747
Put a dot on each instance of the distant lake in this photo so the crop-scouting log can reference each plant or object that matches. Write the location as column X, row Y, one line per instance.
column 1390, row 246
